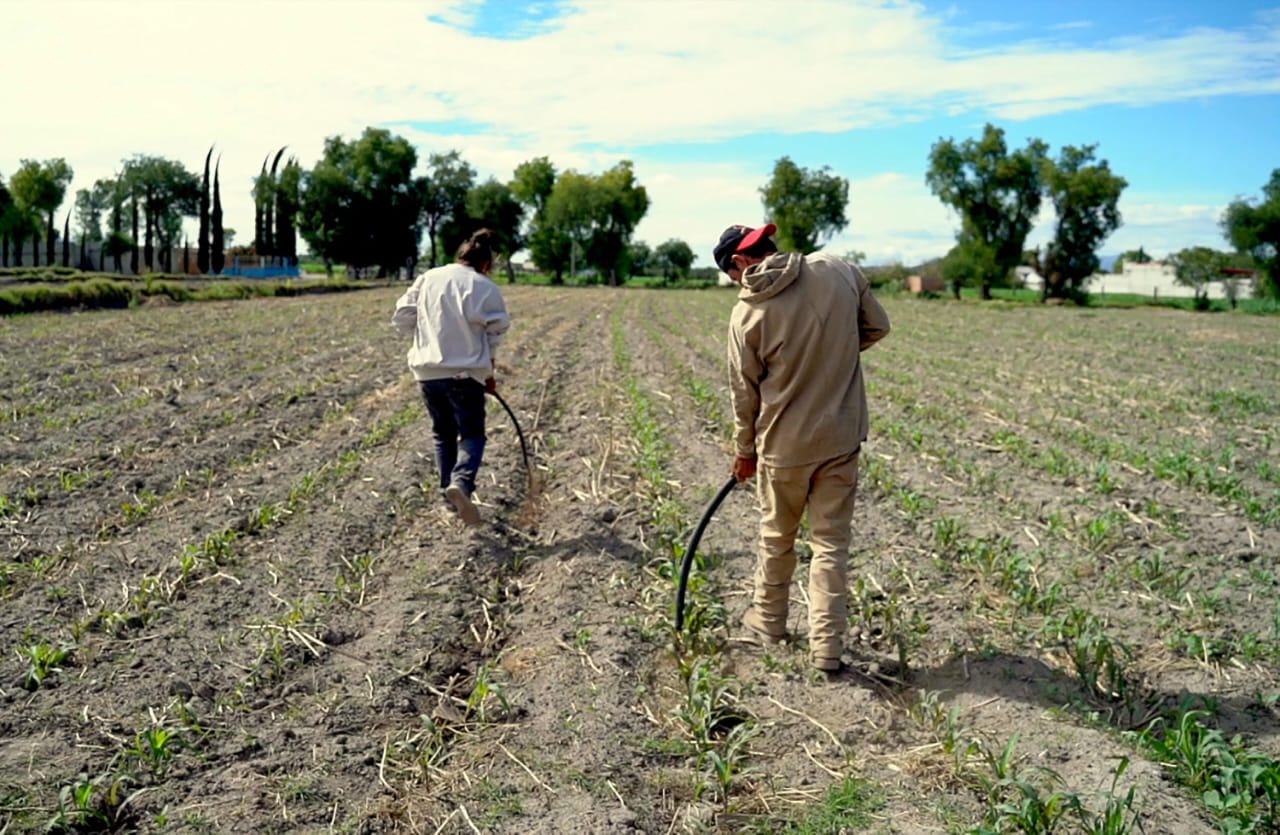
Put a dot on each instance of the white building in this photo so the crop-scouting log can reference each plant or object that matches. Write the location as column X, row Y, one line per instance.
column 1159, row 279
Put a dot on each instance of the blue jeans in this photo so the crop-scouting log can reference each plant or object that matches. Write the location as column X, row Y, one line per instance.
column 457, row 425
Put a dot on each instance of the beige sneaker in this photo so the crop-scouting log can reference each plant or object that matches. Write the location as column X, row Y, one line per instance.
column 757, row 627
column 463, row 504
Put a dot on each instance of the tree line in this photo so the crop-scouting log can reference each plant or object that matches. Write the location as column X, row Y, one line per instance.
column 362, row 206
column 137, row 213
column 998, row 194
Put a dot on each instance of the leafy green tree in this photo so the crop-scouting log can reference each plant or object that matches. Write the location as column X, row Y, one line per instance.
column 618, row 204
column 359, row 204
column 808, row 207
column 675, row 258
column 202, row 239
column 532, row 184
column 116, row 243
column 492, row 205
column 443, row 203
column 1085, row 194
column 997, row 195
column 639, row 258
column 568, row 220
column 552, row 249
column 91, row 204
column 39, row 188
column 969, row 257
column 1253, row 227
column 1196, row 267
column 168, row 192
column 13, row 224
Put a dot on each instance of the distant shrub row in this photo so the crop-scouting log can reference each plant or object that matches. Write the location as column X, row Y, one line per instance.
column 98, row 293
column 54, row 275
column 41, row 273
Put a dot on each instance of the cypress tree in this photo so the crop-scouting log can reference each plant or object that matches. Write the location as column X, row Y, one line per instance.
column 218, row 258
column 286, row 212
column 269, row 209
column 66, row 241
column 259, row 236
column 202, row 243
column 133, row 250
column 148, row 223
column 50, row 239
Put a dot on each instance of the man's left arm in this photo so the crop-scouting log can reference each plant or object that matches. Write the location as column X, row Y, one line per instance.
column 873, row 321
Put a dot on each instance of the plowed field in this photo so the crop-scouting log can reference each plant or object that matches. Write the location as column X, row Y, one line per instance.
column 233, row 601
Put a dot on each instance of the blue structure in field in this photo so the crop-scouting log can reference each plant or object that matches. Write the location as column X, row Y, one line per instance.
column 275, row 268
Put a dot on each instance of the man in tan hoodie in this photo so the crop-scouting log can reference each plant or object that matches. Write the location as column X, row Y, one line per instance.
column 800, row 407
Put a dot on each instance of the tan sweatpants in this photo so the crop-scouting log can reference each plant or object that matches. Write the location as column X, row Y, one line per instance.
column 828, row 489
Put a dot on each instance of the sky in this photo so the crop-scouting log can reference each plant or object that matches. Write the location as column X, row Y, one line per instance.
column 1181, row 97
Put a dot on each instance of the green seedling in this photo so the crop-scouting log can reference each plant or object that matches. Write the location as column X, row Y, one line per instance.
column 42, row 661
column 155, row 748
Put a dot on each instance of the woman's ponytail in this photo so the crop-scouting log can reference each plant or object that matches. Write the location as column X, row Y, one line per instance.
column 477, row 250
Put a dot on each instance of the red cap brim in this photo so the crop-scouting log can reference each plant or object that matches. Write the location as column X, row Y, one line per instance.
column 753, row 237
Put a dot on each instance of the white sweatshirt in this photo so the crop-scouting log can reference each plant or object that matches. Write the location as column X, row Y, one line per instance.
column 457, row 318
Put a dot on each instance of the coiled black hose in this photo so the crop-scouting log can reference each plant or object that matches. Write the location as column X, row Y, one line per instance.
column 689, row 549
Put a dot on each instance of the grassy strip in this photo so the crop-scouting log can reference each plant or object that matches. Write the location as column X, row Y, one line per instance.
column 97, row 293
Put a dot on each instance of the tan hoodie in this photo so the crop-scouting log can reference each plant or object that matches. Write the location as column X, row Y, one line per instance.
column 795, row 336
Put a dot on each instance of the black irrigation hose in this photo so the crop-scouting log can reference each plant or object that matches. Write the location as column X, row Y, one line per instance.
column 693, row 546
column 524, row 448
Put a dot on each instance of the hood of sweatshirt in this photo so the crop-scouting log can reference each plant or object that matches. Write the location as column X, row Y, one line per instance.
column 770, row 277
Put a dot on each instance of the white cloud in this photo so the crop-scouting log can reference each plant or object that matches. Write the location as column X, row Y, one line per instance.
column 103, row 80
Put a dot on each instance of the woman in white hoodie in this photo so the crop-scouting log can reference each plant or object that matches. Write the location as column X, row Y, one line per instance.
column 457, row 318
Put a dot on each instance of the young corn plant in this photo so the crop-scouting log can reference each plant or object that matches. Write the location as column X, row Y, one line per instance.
column 1099, row 662
column 93, row 804
column 42, row 660
column 1241, row 787
column 485, row 691
column 155, row 748
column 717, row 724
column 727, row 761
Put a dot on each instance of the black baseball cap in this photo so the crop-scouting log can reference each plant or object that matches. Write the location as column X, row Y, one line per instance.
column 738, row 239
